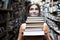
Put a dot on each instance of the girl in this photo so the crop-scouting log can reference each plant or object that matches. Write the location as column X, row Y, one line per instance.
column 33, row 10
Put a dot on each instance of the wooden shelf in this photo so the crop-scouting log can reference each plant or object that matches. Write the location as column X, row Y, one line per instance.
column 54, row 18
column 2, row 9
column 2, row 21
column 56, row 31
column 53, row 27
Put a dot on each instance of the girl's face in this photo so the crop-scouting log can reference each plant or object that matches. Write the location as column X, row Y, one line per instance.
column 34, row 10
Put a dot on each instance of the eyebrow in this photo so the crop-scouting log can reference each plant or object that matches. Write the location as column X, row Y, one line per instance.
column 32, row 8
column 36, row 8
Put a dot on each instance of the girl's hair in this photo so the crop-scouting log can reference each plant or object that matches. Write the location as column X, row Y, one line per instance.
column 28, row 7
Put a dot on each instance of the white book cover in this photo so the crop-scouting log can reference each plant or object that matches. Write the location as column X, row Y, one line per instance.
column 33, row 33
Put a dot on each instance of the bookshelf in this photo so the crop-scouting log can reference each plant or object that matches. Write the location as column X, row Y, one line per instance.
column 9, row 20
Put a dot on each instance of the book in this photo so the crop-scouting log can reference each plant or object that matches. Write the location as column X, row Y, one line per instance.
column 34, row 26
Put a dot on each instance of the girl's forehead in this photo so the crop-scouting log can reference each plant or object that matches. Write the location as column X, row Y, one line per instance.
column 34, row 6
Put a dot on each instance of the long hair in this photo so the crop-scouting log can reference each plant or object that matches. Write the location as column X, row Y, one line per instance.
column 28, row 7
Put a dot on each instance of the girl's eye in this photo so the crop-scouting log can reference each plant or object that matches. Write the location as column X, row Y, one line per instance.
column 36, row 8
column 31, row 9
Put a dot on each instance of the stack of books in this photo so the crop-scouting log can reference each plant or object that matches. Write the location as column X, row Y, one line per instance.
column 34, row 26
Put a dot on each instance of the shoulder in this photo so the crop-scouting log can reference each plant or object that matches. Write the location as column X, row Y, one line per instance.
column 45, row 24
column 23, row 26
